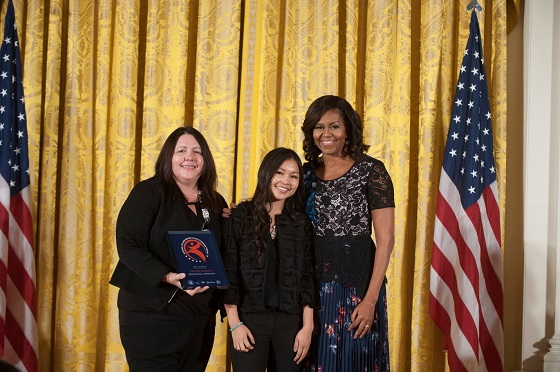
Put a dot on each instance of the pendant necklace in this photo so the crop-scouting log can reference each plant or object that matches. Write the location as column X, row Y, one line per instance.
column 272, row 228
column 273, row 232
column 205, row 213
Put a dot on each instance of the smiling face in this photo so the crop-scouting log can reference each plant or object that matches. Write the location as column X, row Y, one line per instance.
column 285, row 181
column 187, row 162
column 330, row 134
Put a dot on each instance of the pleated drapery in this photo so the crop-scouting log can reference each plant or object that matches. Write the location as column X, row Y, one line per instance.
column 107, row 80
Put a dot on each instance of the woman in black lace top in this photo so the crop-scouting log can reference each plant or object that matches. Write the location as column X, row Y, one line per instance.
column 349, row 196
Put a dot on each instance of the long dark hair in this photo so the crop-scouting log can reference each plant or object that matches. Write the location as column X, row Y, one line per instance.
column 208, row 177
column 352, row 124
column 262, row 196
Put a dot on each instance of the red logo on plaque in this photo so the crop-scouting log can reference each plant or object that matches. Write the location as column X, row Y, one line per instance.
column 195, row 250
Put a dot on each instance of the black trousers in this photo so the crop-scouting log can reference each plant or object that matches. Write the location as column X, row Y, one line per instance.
column 154, row 342
column 274, row 334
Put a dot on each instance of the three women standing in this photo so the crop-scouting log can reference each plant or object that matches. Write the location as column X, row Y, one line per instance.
column 268, row 255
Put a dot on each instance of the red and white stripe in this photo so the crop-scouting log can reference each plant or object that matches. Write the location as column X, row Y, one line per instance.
column 466, row 299
column 18, row 325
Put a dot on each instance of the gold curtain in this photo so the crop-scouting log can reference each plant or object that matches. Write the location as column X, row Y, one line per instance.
column 106, row 81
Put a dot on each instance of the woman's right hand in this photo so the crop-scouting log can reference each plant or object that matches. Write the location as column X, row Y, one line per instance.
column 196, row 290
column 243, row 339
column 175, row 279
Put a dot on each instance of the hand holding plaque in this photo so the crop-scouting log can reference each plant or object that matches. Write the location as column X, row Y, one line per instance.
column 196, row 254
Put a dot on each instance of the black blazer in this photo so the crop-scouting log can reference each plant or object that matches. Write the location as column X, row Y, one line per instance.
column 296, row 283
column 141, row 232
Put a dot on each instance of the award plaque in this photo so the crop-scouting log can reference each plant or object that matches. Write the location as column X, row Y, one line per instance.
column 198, row 256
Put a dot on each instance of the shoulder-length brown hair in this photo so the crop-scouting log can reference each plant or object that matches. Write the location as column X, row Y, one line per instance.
column 355, row 146
column 208, row 177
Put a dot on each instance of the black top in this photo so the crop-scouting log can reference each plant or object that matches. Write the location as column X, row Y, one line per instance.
column 144, row 255
column 341, row 213
column 271, row 281
column 247, row 275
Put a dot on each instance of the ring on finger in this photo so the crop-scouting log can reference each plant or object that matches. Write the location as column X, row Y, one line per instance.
column 367, row 325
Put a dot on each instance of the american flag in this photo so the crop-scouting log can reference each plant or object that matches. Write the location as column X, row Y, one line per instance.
column 18, row 314
column 466, row 299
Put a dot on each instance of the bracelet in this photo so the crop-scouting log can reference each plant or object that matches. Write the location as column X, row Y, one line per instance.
column 235, row 326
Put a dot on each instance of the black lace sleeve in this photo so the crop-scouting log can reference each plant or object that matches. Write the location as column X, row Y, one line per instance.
column 380, row 187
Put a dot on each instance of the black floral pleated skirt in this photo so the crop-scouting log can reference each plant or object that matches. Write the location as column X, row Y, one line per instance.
column 336, row 350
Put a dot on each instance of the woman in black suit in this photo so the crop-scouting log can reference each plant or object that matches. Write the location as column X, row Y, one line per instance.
column 162, row 326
